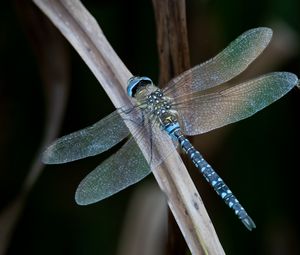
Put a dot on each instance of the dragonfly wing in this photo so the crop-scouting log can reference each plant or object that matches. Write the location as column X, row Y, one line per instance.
column 87, row 142
column 217, row 107
column 150, row 136
column 124, row 168
column 130, row 164
column 226, row 65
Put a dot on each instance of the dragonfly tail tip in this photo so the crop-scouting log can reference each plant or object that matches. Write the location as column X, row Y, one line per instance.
column 249, row 223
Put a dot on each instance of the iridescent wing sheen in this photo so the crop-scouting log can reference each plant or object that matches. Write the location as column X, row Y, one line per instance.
column 226, row 65
column 124, row 168
column 149, row 136
column 213, row 108
column 87, row 142
column 128, row 165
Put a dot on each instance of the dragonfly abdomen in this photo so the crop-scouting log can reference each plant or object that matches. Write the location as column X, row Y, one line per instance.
column 213, row 179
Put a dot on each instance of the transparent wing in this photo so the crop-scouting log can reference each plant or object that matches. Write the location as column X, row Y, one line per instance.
column 119, row 171
column 225, row 104
column 87, row 142
column 149, row 136
column 226, row 65
column 128, row 165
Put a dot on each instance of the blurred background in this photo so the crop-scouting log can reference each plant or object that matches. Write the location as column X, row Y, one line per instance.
column 257, row 157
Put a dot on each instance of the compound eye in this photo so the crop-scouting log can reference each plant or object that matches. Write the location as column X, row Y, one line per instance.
column 144, row 80
column 135, row 82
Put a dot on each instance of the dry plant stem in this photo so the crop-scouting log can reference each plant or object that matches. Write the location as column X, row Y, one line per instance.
column 144, row 227
column 83, row 32
column 52, row 54
column 172, row 41
column 173, row 51
column 52, row 58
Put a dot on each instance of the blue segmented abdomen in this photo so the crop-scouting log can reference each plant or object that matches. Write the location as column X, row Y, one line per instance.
column 213, row 179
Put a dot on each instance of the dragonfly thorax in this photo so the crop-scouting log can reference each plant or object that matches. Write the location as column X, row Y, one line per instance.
column 153, row 102
column 160, row 109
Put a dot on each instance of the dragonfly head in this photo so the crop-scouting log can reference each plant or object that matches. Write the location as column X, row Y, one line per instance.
column 136, row 82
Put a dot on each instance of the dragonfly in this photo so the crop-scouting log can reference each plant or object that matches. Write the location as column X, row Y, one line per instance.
column 197, row 101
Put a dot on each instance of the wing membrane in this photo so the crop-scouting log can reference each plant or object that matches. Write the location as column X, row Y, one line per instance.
column 124, row 168
column 128, row 165
column 87, row 142
column 227, row 104
column 226, row 65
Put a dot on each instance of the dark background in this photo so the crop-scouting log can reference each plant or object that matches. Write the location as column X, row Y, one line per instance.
column 257, row 157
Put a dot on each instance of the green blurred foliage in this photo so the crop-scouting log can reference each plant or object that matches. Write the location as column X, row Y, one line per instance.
column 258, row 158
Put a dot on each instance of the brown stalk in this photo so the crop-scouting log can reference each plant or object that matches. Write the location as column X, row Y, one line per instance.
column 53, row 62
column 85, row 35
column 173, row 51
